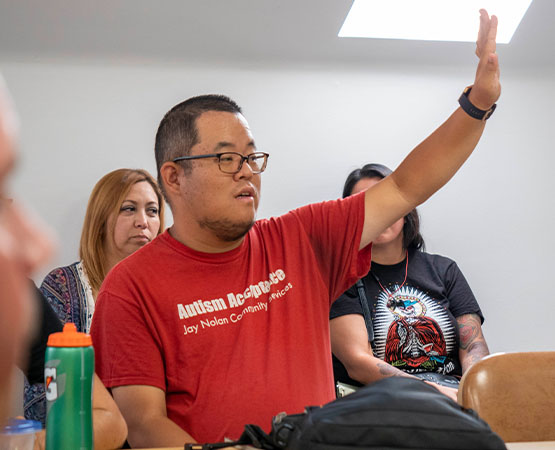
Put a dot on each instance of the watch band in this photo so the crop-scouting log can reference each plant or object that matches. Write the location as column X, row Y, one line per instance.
column 471, row 110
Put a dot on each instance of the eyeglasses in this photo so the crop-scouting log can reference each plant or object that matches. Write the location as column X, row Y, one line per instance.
column 232, row 162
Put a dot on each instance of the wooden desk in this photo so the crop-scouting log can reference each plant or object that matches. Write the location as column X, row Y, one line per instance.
column 247, row 447
column 546, row 445
column 244, row 447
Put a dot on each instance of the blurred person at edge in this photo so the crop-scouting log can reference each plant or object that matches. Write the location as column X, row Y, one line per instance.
column 24, row 246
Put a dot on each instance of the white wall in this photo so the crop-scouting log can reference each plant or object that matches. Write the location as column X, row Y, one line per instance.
column 494, row 218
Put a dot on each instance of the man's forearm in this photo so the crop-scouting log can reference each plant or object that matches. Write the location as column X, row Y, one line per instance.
column 158, row 432
column 434, row 161
column 426, row 169
column 109, row 428
column 144, row 410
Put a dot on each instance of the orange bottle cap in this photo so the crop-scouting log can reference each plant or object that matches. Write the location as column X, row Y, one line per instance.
column 69, row 337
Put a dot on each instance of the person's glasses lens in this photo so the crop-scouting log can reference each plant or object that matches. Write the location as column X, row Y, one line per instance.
column 233, row 162
column 257, row 161
column 229, row 162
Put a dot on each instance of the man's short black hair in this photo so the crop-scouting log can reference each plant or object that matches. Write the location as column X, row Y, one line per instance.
column 177, row 132
column 411, row 228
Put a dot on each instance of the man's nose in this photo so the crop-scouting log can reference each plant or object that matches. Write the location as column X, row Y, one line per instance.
column 245, row 172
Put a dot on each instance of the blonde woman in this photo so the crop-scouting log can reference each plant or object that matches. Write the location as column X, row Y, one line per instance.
column 125, row 212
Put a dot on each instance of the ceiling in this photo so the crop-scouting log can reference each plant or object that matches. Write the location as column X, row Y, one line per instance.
column 252, row 32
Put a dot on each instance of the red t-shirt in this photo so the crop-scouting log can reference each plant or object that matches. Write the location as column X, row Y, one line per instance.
column 236, row 337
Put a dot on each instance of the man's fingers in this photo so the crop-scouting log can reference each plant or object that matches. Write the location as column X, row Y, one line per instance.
column 485, row 43
column 486, row 84
column 482, row 32
column 484, row 21
column 492, row 34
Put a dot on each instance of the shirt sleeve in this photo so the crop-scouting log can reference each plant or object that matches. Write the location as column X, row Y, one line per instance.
column 125, row 340
column 347, row 303
column 461, row 298
column 334, row 229
column 49, row 323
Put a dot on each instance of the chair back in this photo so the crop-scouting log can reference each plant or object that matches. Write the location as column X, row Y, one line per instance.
column 514, row 393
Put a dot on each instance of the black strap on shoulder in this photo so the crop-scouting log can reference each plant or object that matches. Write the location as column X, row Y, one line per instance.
column 365, row 310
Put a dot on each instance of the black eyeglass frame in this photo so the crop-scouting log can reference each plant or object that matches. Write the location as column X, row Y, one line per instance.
column 219, row 156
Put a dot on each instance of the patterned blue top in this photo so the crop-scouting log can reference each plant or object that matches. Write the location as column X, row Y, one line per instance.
column 68, row 292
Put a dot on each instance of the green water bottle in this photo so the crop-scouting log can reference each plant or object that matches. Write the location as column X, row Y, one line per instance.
column 68, row 376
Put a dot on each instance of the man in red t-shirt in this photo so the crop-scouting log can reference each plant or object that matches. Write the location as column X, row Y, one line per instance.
column 223, row 320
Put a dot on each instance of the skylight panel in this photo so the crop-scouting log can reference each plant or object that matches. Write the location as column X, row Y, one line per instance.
column 430, row 20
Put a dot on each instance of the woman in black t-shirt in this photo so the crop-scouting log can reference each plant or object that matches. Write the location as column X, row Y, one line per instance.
column 423, row 319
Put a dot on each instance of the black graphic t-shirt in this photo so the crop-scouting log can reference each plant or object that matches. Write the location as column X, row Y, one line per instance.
column 415, row 328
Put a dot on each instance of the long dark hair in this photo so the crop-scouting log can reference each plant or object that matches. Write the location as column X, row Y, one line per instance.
column 411, row 229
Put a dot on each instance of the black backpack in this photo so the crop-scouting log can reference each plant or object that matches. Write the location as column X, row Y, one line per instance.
column 393, row 413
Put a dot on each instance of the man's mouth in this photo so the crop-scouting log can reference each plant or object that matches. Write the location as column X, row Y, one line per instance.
column 247, row 193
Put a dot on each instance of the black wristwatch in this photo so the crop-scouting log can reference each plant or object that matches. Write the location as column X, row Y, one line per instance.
column 471, row 110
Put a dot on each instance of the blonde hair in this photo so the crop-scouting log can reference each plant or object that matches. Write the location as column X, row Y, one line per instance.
column 105, row 200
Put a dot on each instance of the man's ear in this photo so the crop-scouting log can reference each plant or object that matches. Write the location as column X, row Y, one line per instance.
column 169, row 174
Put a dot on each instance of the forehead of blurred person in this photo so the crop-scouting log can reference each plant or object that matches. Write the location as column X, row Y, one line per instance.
column 8, row 132
column 24, row 245
column 9, row 312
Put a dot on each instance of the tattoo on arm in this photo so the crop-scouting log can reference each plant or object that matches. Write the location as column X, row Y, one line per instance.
column 388, row 371
column 478, row 349
column 472, row 345
column 469, row 330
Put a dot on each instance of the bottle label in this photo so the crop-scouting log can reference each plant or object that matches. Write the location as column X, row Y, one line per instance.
column 51, row 383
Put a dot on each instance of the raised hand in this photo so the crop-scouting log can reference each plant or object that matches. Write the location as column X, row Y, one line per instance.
column 486, row 88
